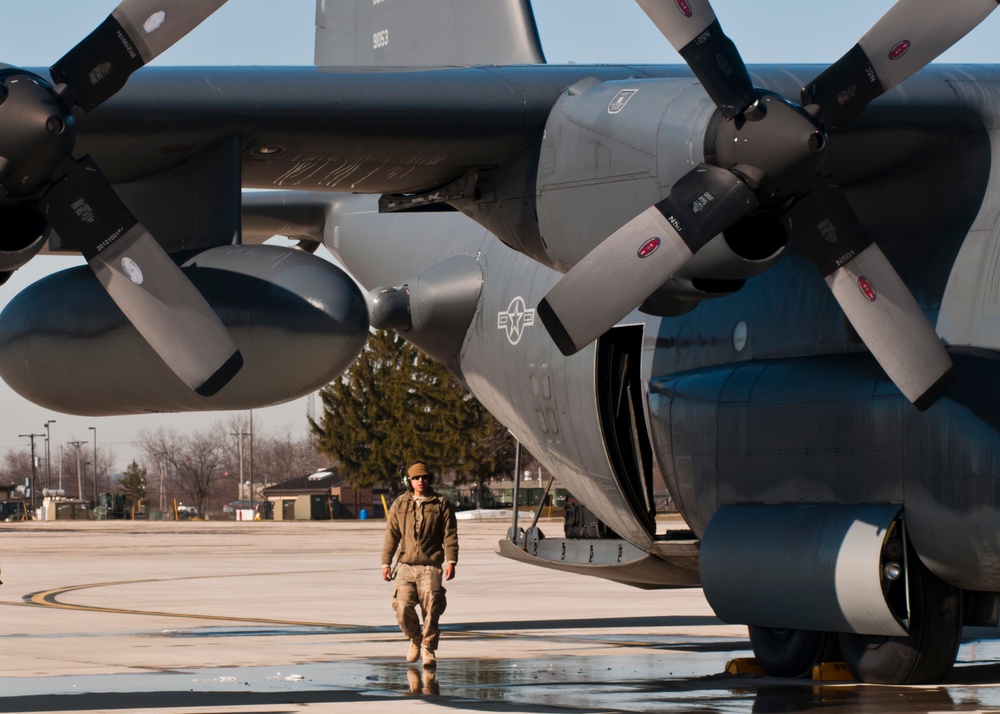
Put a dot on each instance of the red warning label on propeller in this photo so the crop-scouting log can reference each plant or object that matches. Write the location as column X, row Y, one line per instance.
column 684, row 7
column 867, row 289
column 648, row 248
column 899, row 50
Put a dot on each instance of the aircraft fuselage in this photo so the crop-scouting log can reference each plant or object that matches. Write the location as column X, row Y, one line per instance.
column 751, row 396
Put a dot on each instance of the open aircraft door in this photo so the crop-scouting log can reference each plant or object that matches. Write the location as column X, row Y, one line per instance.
column 620, row 404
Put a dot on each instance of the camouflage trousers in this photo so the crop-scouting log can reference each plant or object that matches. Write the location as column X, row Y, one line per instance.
column 419, row 584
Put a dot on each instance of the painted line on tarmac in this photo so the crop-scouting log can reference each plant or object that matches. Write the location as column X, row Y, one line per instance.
column 50, row 599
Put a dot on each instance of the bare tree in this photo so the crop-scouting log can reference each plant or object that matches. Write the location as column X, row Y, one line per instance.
column 204, row 467
column 281, row 458
column 16, row 467
column 192, row 463
column 271, row 458
column 101, row 472
column 74, row 471
column 233, row 433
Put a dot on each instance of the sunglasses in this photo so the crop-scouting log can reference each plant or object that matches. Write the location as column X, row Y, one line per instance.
column 419, row 478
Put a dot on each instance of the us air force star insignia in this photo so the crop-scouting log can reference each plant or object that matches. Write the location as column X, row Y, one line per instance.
column 517, row 317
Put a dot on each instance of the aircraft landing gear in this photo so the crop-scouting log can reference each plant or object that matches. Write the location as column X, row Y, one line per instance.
column 791, row 653
column 927, row 653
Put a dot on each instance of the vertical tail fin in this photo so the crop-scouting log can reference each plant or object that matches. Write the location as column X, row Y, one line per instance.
column 425, row 33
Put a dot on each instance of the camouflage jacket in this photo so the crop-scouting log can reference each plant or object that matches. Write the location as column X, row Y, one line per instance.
column 425, row 533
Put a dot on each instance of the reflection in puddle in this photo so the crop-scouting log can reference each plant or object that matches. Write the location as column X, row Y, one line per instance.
column 423, row 682
column 691, row 682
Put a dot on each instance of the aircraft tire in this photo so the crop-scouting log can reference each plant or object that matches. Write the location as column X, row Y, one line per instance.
column 791, row 653
column 927, row 654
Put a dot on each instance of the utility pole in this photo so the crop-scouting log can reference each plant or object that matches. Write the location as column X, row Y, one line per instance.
column 240, row 435
column 163, row 493
column 48, row 454
column 94, row 429
column 251, row 463
column 32, row 437
column 79, row 472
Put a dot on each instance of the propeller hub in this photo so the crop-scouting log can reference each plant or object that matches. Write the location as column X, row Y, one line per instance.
column 37, row 133
column 776, row 145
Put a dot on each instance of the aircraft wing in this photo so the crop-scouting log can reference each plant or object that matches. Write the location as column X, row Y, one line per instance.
column 344, row 129
column 366, row 130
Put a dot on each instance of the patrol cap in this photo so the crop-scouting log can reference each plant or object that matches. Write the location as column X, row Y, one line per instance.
column 418, row 469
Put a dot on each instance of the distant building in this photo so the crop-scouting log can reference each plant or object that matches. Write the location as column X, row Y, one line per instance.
column 14, row 505
column 324, row 496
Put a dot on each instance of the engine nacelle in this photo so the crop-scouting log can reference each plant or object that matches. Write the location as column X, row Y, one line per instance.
column 611, row 150
column 298, row 320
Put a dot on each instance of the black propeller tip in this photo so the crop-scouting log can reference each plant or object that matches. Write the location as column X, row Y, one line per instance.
column 98, row 67
column 556, row 329
column 222, row 376
column 936, row 391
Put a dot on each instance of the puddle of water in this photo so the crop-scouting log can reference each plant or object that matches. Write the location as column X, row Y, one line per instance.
column 636, row 680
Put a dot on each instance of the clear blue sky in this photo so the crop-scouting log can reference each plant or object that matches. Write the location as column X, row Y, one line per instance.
column 280, row 32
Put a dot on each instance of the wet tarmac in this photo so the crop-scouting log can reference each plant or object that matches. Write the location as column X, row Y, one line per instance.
column 272, row 617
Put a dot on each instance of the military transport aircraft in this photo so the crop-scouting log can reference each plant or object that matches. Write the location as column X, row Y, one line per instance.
column 777, row 289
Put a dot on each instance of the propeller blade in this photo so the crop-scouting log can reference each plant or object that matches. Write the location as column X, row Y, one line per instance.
column 134, row 34
column 875, row 299
column 906, row 39
column 156, row 297
column 628, row 266
column 693, row 30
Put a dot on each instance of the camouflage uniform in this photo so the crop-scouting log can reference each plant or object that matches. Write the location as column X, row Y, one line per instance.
column 426, row 533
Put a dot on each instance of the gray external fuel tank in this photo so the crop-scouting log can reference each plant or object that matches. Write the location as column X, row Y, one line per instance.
column 298, row 320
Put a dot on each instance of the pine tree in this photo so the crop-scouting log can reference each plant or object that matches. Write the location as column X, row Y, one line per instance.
column 395, row 406
column 133, row 484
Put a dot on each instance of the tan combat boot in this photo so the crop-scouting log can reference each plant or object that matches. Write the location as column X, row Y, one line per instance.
column 429, row 659
column 413, row 654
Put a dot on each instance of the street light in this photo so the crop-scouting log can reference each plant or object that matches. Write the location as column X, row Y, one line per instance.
column 48, row 458
column 94, row 429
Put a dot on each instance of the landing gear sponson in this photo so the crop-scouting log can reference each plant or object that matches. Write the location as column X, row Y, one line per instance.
column 831, row 582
